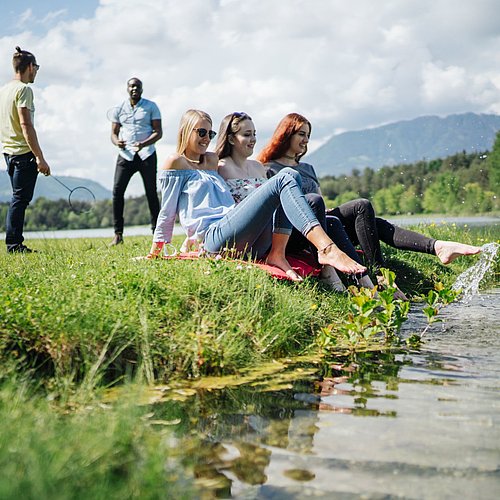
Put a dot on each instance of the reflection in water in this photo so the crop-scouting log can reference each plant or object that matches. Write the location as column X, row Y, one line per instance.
column 412, row 424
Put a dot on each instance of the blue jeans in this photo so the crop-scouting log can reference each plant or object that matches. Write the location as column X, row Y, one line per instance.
column 246, row 227
column 23, row 172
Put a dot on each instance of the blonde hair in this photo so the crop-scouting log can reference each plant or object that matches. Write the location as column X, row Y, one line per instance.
column 187, row 124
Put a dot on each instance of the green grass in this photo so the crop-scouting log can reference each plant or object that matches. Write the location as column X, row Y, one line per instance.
column 80, row 316
column 82, row 313
column 94, row 451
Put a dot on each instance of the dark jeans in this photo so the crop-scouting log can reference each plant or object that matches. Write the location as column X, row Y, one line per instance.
column 332, row 226
column 123, row 173
column 23, row 172
column 366, row 230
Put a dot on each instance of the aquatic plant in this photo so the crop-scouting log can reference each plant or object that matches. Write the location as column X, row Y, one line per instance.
column 371, row 313
column 436, row 299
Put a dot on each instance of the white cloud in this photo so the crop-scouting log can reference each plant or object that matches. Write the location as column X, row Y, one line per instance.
column 25, row 16
column 345, row 65
column 53, row 16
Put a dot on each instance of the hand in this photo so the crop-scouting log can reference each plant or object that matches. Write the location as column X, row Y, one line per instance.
column 43, row 167
column 156, row 249
column 121, row 144
column 137, row 146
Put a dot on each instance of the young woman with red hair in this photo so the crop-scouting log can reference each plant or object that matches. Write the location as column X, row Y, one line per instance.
column 286, row 148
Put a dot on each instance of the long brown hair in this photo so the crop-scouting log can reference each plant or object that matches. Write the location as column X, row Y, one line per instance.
column 280, row 141
column 230, row 125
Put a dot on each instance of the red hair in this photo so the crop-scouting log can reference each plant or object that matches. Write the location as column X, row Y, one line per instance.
column 280, row 141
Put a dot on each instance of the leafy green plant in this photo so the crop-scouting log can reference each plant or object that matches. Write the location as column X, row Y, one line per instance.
column 436, row 299
column 371, row 313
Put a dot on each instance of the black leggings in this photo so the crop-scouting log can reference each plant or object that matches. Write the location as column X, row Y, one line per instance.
column 332, row 226
column 366, row 230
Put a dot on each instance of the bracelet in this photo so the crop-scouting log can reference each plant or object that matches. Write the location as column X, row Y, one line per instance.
column 323, row 250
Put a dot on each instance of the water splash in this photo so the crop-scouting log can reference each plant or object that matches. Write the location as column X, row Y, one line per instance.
column 471, row 278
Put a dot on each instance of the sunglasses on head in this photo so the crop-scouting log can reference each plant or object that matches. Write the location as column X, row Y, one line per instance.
column 240, row 116
column 202, row 132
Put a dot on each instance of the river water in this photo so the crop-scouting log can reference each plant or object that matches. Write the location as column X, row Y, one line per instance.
column 421, row 423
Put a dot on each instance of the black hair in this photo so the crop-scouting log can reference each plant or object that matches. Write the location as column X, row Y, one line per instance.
column 22, row 59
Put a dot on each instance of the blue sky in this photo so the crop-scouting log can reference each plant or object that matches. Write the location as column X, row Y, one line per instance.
column 41, row 15
column 344, row 65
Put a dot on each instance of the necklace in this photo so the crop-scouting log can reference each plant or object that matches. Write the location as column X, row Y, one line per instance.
column 288, row 157
column 189, row 159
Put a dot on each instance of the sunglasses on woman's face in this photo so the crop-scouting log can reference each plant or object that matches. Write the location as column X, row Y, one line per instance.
column 202, row 132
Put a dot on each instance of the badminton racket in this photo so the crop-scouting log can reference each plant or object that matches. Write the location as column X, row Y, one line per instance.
column 80, row 199
column 118, row 114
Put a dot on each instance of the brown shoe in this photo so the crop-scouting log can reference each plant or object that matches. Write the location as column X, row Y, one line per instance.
column 117, row 240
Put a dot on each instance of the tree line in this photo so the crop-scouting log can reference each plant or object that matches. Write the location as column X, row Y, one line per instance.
column 50, row 215
column 464, row 183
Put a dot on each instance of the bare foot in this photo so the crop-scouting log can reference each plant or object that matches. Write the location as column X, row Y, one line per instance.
column 448, row 251
column 339, row 260
column 281, row 263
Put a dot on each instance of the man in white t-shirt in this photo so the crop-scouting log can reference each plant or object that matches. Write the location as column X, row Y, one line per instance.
column 21, row 149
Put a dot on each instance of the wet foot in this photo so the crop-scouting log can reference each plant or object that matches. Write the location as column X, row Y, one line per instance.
column 284, row 265
column 333, row 256
column 448, row 251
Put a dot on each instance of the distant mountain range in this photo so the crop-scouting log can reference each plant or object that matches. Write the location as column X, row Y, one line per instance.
column 424, row 138
column 52, row 190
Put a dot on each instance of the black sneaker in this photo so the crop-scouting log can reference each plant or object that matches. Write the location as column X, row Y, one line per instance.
column 21, row 249
column 117, row 240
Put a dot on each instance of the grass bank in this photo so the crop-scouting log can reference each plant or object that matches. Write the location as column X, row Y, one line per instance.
column 81, row 313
